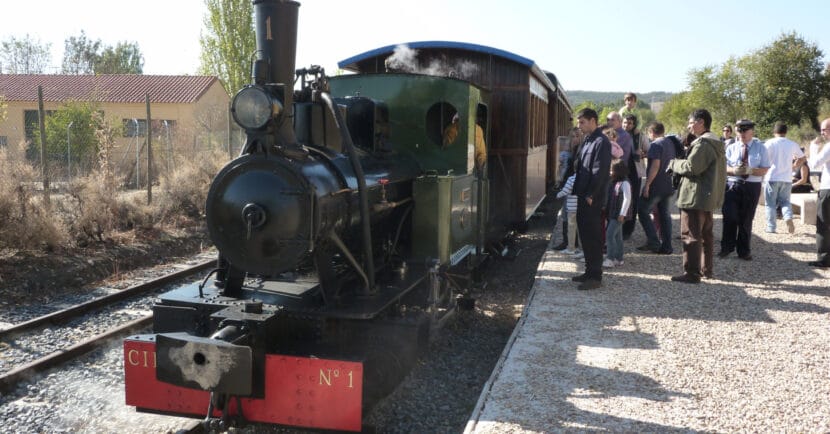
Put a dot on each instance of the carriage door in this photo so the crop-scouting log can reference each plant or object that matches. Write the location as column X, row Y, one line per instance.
column 482, row 183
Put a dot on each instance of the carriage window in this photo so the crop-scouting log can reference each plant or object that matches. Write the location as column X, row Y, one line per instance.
column 443, row 124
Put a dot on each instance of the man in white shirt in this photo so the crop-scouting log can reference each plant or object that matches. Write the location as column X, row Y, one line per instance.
column 784, row 156
column 820, row 159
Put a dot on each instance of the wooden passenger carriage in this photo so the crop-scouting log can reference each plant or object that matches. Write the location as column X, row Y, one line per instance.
column 528, row 112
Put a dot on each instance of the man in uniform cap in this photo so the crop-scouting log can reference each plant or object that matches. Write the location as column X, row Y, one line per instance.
column 747, row 162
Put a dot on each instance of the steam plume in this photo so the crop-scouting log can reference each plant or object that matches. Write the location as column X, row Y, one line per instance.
column 405, row 59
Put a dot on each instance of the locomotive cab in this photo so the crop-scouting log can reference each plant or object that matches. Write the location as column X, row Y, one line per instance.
column 435, row 119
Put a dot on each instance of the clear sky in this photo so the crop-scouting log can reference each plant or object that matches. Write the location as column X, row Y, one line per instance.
column 635, row 45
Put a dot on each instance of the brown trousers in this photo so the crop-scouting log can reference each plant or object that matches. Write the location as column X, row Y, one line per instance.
column 697, row 240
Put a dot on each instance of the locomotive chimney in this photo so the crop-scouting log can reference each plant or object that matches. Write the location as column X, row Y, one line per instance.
column 275, row 22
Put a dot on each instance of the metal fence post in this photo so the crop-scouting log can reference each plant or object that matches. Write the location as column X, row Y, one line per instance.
column 149, row 150
column 43, row 166
column 230, row 142
column 68, row 154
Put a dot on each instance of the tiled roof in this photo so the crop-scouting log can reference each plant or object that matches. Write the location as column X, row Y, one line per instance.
column 117, row 88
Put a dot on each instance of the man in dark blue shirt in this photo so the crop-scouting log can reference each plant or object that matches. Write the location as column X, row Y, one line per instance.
column 657, row 191
column 593, row 163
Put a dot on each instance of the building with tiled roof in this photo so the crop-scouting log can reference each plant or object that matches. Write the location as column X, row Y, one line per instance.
column 194, row 108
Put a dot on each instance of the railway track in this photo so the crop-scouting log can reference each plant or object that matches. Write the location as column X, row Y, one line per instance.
column 10, row 379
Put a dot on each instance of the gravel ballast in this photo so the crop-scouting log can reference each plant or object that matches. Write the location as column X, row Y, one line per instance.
column 437, row 396
column 747, row 351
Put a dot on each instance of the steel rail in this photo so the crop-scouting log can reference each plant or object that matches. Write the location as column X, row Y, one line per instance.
column 64, row 315
column 9, row 380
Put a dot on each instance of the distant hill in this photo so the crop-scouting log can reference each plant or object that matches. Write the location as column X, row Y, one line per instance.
column 577, row 97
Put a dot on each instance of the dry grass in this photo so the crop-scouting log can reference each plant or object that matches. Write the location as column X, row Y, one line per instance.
column 93, row 209
column 25, row 218
column 184, row 191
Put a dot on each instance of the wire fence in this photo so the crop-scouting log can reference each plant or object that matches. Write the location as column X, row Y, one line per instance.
column 127, row 174
column 128, row 159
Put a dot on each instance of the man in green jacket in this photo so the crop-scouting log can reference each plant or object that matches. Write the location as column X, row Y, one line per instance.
column 701, row 192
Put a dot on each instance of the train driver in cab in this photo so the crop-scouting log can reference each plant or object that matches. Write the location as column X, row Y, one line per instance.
column 480, row 146
column 451, row 133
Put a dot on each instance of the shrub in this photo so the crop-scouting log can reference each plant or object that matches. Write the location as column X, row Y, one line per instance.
column 92, row 209
column 184, row 191
column 27, row 221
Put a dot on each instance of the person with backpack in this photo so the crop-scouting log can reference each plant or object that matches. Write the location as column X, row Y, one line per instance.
column 618, row 209
column 657, row 191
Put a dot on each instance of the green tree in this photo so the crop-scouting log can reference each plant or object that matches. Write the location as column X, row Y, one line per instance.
column 228, row 42
column 584, row 104
column 124, row 58
column 676, row 111
column 643, row 112
column 82, row 145
column 785, row 81
column 24, row 56
column 720, row 90
column 824, row 109
column 3, row 108
column 80, row 54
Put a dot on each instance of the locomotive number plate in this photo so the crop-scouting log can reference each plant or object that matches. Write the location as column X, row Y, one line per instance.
column 299, row 391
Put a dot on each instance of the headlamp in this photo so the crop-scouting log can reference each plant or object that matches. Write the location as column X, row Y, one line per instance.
column 254, row 106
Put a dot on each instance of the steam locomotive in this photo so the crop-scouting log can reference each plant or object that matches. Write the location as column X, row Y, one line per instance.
column 354, row 217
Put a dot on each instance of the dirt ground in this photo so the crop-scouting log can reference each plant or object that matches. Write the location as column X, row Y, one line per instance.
column 36, row 276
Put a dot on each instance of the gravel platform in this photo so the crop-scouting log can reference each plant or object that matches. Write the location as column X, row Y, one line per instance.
column 747, row 351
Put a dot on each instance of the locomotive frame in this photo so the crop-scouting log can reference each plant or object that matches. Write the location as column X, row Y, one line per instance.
column 347, row 229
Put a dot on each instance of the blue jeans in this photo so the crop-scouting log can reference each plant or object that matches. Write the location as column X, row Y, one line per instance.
column 614, row 240
column 644, row 212
column 777, row 193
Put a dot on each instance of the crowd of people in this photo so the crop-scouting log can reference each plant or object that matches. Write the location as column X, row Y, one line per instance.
column 613, row 174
